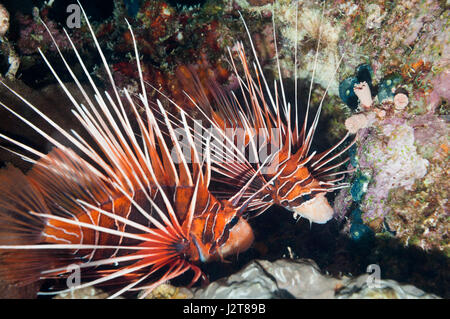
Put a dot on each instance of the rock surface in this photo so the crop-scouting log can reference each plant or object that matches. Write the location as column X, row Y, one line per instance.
column 281, row 279
column 301, row 278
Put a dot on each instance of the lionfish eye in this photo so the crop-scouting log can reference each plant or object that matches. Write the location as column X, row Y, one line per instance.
column 179, row 246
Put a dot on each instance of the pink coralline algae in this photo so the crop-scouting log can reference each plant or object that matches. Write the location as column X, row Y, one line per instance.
column 392, row 159
column 441, row 89
column 430, row 133
column 33, row 35
column 358, row 121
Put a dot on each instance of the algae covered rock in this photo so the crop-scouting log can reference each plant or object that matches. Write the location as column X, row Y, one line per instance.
column 302, row 278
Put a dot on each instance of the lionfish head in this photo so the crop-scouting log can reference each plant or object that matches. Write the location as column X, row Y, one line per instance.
column 219, row 235
column 303, row 194
column 213, row 228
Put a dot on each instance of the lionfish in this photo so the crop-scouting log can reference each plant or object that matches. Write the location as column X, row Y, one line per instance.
column 262, row 120
column 120, row 209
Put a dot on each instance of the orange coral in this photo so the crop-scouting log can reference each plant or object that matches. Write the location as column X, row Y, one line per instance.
column 411, row 71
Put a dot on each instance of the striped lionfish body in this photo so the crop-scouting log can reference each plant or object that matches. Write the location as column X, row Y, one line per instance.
column 121, row 209
column 262, row 120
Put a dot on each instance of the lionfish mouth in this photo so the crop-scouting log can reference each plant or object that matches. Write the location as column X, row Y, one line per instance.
column 316, row 210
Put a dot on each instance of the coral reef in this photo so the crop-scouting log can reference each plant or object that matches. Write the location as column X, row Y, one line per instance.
column 166, row 291
column 170, row 42
column 398, row 199
column 391, row 158
column 396, row 160
column 401, row 179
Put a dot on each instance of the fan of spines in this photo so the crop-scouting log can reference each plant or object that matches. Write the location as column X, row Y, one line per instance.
column 267, row 121
column 121, row 209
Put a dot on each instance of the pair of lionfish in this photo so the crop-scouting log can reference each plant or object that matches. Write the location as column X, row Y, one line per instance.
column 132, row 208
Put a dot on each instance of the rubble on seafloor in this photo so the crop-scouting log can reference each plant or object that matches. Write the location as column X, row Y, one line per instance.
column 399, row 191
column 283, row 278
